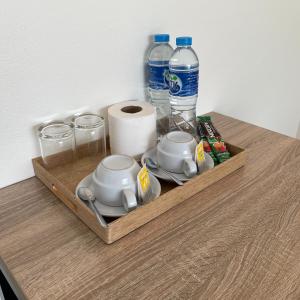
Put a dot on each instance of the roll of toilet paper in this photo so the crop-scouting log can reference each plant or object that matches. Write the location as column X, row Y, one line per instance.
column 132, row 128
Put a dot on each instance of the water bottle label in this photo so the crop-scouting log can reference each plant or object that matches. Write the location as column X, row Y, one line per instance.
column 184, row 83
column 159, row 75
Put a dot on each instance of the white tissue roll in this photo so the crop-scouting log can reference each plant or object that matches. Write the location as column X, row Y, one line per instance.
column 132, row 128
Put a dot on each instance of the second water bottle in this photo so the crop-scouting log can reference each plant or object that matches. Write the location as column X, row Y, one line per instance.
column 183, row 81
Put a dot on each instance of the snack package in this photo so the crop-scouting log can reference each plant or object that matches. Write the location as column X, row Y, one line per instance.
column 206, row 145
column 214, row 139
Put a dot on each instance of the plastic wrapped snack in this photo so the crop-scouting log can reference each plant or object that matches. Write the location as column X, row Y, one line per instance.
column 214, row 142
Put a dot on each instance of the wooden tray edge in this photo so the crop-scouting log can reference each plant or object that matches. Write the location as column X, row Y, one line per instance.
column 144, row 214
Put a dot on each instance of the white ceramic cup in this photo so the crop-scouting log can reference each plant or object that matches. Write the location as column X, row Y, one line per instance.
column 114, row 181
column 176, row 152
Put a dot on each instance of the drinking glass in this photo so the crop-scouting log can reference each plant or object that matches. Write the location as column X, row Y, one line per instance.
column 90, row 136
column 57, row 143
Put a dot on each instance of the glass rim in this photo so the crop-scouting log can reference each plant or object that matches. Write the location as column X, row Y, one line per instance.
column 63, row 134
column 98, row 121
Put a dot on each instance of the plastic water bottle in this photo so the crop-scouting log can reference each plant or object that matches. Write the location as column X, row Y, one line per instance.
column 158, row 80
column 183, row 81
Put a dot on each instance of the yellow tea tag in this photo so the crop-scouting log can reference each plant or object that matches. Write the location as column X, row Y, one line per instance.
column 144, row 185
column 199, row 155
column 144, row 179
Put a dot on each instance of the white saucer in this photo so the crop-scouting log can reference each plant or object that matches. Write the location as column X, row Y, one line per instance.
column 209, row 164
column 115, row 211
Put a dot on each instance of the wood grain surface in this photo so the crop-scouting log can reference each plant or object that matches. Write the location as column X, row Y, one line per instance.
column 237, row 239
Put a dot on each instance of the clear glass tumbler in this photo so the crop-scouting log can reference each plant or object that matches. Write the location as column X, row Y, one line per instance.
column 57, row 143
column 90, row 136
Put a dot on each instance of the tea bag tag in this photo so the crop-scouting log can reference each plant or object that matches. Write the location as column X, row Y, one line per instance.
column 144, row 185
column 199, row 156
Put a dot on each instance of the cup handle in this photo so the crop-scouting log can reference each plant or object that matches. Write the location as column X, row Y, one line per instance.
column 129, row 200
column 189, row 167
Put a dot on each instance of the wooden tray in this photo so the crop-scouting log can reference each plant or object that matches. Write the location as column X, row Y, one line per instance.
column 62, row 181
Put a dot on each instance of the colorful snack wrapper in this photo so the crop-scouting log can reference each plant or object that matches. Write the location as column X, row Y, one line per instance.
column 214, row 139
column 206, row 145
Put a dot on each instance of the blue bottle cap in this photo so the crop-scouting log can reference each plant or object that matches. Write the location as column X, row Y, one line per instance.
column 184, row 41
column 160, row 38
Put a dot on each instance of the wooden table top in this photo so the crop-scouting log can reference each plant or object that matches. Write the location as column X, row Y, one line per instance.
column 238, row 239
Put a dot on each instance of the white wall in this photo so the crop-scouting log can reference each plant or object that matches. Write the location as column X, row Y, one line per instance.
column 57, row 57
